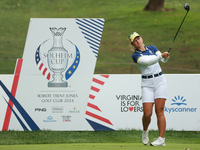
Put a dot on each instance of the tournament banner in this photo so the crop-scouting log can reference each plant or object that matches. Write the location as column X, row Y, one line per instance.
column 54, row 88
column 115, row 102
column 55, row 75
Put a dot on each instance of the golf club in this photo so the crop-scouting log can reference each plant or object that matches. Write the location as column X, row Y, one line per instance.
column 187, row 7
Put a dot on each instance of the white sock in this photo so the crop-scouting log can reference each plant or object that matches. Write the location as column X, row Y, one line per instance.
column 161, row 138
column 145, row 131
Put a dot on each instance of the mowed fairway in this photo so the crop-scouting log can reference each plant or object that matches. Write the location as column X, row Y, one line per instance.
column 100, row 146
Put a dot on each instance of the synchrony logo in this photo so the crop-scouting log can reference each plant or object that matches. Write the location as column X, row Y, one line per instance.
column 178, row 102
column 49, row 119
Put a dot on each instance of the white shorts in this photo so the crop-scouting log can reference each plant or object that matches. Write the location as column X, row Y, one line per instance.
column 154, row 88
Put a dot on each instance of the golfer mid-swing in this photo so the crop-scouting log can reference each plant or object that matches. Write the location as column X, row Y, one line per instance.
column 154, row 87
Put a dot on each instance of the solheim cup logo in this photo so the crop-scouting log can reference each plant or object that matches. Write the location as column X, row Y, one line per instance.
column 57, row 58
column 58, row 62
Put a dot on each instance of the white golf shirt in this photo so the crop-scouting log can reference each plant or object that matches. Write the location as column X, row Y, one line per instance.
column 147, row 60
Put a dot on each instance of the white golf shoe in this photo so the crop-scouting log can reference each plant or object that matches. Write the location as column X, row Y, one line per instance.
column 158, row 142
column 145, row 138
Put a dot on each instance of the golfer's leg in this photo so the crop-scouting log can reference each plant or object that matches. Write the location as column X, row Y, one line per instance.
column 159, row 109
column 147, row 112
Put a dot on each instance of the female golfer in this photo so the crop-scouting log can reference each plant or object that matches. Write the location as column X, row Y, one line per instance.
column 154, row 87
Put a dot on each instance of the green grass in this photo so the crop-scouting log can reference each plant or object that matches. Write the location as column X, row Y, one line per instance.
column 121, row 18
column 100, row 146
column 121, row 136
column 84, row 140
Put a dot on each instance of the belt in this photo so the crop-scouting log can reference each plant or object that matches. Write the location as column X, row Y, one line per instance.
column 152, row 76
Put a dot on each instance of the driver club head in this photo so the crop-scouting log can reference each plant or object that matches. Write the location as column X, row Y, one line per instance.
column 187, row 7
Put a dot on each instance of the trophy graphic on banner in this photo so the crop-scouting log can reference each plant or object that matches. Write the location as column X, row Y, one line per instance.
column 57, row 58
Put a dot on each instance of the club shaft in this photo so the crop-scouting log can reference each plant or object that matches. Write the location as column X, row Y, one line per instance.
column 177, row 31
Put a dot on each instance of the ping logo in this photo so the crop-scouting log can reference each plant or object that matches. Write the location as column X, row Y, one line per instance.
column 178, row 100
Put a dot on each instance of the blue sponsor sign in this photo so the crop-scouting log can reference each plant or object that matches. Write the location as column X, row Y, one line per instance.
column 178, row 102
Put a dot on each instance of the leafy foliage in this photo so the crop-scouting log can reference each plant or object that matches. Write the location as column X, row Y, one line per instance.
column 121, row 19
